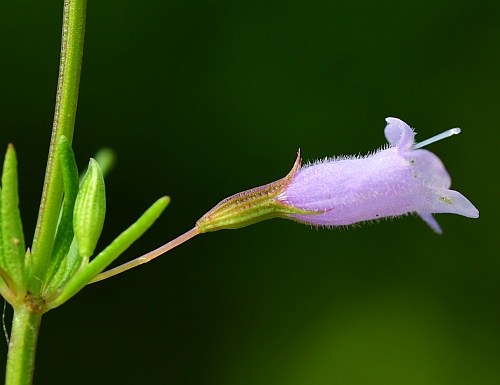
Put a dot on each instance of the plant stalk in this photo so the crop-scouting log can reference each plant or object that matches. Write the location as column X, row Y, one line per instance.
column 28, row 314
column 22, row 346
column 73, row 32
column 149, row 256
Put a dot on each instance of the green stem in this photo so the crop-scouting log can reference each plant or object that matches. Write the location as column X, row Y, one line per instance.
column 23, row 338
column 73, row 32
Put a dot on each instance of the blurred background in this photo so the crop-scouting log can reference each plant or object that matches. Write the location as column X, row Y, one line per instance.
column 203, row 99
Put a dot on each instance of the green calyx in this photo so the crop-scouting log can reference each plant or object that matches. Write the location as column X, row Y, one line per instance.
column 252, row 206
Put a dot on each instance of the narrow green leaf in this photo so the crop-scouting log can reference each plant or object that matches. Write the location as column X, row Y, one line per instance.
column 74, row 262
column 109, row 254
column 12, row 228
column 90, row 210
column 28, row 264
column 5, row 280
column 54, row 284
column 2, row 255
column 64, row 234
column 67, row 268
column 5, row 285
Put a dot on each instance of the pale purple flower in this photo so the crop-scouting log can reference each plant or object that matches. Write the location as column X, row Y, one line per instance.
column 394, row 181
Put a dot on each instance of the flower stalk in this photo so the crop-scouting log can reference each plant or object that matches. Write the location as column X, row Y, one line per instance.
column 149, row 256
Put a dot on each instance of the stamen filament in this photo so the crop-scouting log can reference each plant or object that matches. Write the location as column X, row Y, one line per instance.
column 443, row 135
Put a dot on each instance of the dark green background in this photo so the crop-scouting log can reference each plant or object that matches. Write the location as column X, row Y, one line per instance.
column 202, row 99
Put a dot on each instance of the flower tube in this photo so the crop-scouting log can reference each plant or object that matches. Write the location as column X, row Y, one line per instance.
column 398, row 179
column 393, row 181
